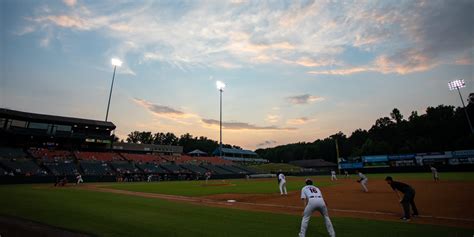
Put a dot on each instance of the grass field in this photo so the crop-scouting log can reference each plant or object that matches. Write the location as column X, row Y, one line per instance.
column 107, row 214
column 198, row 188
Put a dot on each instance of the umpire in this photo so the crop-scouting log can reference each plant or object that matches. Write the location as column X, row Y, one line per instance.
column 408, row 197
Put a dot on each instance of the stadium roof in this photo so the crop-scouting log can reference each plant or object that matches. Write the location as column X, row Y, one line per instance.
column 14, row 114
column 235, row 151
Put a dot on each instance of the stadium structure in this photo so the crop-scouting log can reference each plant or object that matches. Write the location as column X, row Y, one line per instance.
column 43, row 148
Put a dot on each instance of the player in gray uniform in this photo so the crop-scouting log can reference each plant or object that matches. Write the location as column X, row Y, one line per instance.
column 363, row 181
column 313, row 201
column 434, row 171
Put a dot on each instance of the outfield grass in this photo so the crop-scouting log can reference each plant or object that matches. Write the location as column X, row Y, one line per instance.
column 276, row 167
column 106, row 214
column 448, row 176
column 198, row 188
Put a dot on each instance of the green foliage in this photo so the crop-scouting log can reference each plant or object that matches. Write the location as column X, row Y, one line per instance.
column 441, row 128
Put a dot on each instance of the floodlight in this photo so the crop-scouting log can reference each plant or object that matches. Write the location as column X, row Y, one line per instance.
column 220, row 85
column 456, row 84
column 116, row 62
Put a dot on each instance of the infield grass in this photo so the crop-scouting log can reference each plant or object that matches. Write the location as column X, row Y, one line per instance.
column 448, row 176
column 106, row 214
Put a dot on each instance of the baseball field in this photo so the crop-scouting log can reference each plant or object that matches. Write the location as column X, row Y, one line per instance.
column 194, row 208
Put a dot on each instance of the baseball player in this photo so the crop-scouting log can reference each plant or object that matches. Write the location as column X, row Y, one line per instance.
column 346, row 174
column 150, row 177
column 207, row 175
column 434, row 171
column 408, row 197
column 79, row 179
column 282, row 184
column 333, row 175
column 363, row 181
column 313, row 201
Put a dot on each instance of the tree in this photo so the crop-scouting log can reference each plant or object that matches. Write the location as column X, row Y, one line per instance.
column 133, row 137
column 396, row 115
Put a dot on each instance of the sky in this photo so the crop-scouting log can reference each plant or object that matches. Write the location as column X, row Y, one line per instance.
column 294, row 70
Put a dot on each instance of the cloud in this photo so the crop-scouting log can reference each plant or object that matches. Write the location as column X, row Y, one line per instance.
column 272, row 118
column 267, row 143
column 403, row 37
column 303, row 99
column 242, row 126
column 162, row 110
column 299, row 121
column 342, row 71
column 70, row 3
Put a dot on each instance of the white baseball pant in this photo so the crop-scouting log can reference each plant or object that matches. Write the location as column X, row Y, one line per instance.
column 363, row 183
column 283, row 187
column 316, row 204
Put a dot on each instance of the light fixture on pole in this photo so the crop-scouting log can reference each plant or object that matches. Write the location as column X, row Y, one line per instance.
column 456, row 85
column 116, row 63
column 220, row 86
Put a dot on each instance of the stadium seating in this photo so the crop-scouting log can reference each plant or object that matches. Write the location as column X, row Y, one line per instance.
column 50, row 155
column 124, row 167
column 150, row 168
column 173, row 168
column 214, row 160
column 216, row 170
column 9, row 153
column 232, row 169
column 183, row 159
column 95, row 168
column 194, row 168
column 3, row 172
column 61, row 168
column 22, row 167
column 144, row 158
column 246, row 169
column 102, row 156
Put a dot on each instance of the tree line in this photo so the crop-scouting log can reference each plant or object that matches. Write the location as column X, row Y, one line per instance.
column 441, row 128
column 187, row 141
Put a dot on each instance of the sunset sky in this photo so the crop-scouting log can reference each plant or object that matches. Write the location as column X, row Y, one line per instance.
column 295, row 70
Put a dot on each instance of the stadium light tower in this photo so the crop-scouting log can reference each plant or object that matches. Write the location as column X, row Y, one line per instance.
column 220, row 86
column 116, row 63
column 456, row 85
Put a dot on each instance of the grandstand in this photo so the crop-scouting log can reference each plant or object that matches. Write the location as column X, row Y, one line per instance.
column 61, row 168
column 50, row 155
column 173, row 168
column 238, row 155
column 123, row 167
column 23, row 167
column 150, row 168
column 216, row 170
column 100, row 156
column 194, row 168
column 99, row 168
column 144, row 158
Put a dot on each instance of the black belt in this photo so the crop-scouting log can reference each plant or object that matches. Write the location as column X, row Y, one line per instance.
column 314, row 197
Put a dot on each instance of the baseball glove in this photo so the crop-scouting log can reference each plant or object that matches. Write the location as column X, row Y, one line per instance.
column 358, row 181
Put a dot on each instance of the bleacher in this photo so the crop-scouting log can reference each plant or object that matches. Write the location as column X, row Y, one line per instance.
column 3, row 172
column 50, row 155
column 183, row 159
column 194, row 168
column 144, row 158
column 214, row 160
column 61, row 168
column 215, row 169
column 124, row 167
column 246, row 169
column 95, row 168
column 173, row 168
column 232, row 169
column 10, row 153
column 150, row 168
column 101, row 156
column 23, row 167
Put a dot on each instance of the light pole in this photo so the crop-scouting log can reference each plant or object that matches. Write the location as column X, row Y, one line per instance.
column 116, row 63
column 456, row 85
column 220, row 86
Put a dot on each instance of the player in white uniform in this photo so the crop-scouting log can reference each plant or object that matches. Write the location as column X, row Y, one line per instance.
column 363, row 181
column 333, row 175
column 313, row 201
column 282, row 184
column 79, row 179
column 434, row 171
